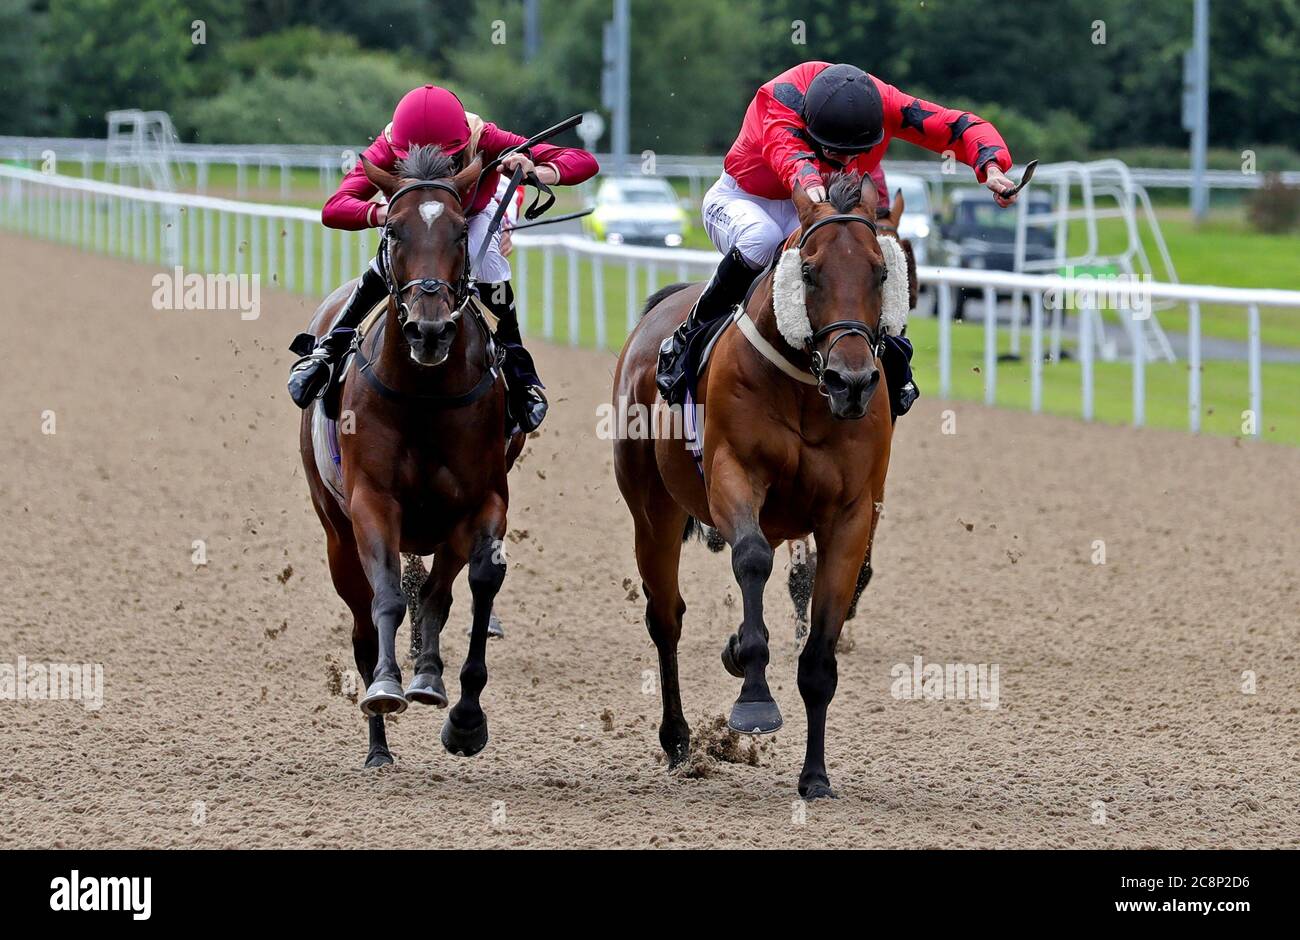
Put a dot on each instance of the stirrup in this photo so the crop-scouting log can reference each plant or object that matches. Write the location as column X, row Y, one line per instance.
column 670, row 365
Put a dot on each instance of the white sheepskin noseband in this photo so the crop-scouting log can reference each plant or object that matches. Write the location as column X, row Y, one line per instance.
column 791, row 306
column 896, row 299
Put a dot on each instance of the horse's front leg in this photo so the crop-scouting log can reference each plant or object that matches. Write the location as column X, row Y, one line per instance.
column 735, row 501
column 840, row 551
column 465, row 731
column 377, row 524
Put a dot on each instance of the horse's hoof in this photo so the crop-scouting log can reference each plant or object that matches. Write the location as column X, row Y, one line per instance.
column 378, row 759
column 816, row 790
column 464, row 743
column 755, row 717
column 427, row 689
column 731, row 657
column 495, row 630
column 677, row 750
column 384, row 697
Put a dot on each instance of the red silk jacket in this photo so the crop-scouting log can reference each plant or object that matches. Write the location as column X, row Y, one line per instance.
column 773, row 150
column 350, row 207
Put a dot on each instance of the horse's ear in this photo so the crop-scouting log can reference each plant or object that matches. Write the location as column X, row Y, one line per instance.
column 896, row 210
column 802, row 204
column 467, row 179
column 868, row 197
column 386, row 182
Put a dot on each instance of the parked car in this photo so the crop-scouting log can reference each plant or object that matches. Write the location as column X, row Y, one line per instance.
column 919, row 224
column 980, row 234
column 638, row 210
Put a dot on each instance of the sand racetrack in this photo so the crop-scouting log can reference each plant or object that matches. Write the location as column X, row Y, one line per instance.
column 1121, row 684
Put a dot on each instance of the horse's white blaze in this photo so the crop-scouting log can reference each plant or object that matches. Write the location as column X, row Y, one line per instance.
column 429, row 211
column 791, row 306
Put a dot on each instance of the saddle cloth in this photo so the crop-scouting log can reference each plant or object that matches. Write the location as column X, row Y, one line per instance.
column 704, row 343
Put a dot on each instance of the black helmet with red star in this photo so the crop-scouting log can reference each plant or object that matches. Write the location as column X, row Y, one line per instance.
column 843, row 111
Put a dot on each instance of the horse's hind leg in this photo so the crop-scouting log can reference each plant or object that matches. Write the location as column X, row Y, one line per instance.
column 659, row 525
column 803, row 568
column 350, row 582
column 431, row 608
column 465, row 732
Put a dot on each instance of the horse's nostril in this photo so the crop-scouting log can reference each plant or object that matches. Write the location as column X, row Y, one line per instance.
column 834, row 381
column 411, row 331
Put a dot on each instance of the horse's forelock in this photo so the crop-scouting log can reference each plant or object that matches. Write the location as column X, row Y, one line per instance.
column 844, row 190
column 426, row 163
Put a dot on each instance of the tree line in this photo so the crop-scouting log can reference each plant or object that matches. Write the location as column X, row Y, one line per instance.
column 1061, row 78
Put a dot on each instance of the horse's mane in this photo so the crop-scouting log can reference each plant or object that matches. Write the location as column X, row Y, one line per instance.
column 426, row 163
column 844, row 190
column 661, row 295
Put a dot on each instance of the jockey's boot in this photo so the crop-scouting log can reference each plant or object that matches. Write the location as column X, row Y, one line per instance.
column 896, row 357
column 526, row 404
column 311, row 374
column 725, row 289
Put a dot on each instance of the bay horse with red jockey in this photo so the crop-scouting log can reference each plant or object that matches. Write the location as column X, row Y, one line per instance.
column 795, row 441
column 423, row 470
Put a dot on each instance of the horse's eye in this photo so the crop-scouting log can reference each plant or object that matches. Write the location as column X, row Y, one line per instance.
column 809, row 276
column 884, row 273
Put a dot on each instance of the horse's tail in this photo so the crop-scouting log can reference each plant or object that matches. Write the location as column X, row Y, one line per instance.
column 660, row 296
column 711, row 536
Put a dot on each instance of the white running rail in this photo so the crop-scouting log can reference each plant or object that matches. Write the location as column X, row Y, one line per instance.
column 287, row 246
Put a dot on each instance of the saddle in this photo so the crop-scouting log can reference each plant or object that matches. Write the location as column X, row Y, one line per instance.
column 700, row 345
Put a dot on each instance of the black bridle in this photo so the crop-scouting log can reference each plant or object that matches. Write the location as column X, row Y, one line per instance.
column 844, row 328
column 460, row 296
column 458, row 292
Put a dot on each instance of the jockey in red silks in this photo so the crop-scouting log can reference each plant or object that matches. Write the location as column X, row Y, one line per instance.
column 804, row 124
column 430, row 115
